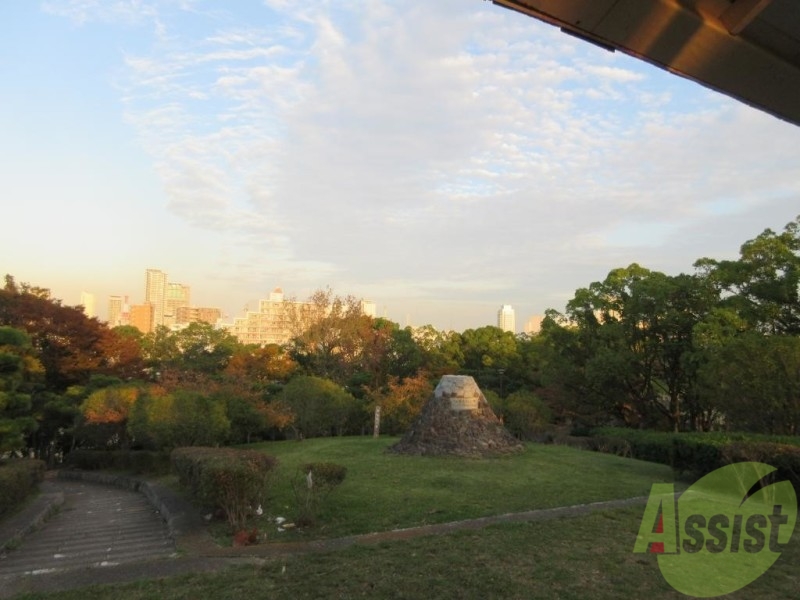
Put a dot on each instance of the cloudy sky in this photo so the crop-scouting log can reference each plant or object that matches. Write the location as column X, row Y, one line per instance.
column 439, row 158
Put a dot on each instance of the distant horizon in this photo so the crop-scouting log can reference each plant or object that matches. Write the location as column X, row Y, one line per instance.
column 440, row 159
column 101, row 305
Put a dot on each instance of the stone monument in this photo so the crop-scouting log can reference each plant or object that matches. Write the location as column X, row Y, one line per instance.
column 457, row 420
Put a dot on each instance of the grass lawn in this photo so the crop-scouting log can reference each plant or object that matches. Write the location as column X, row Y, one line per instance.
column 581, row 558
column 386, row 491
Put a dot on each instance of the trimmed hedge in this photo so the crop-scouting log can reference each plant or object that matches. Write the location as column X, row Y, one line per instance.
column 18, row 479
column 700, row 453
column 235, row 481
column 135, row 461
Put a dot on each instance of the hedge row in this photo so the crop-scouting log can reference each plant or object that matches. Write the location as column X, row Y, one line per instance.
column 701, row 453
column 235, row 481
column 18, row 479
column 135, row 461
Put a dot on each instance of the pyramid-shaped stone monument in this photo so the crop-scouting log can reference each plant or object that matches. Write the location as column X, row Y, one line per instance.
column 458, row 421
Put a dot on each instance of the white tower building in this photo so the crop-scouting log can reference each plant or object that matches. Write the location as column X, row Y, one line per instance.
column 505, row 318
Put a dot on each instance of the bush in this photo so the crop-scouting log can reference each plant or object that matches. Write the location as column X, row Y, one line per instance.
column 135, row 461
column 182, row 418
column 525, row 415
column 702, row 453
column 320, row 407
column 784, row 457
column 314, row 482
column 232, row 480
column 18, row 479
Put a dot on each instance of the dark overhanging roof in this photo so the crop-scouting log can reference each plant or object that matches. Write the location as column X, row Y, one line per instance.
column 746, row 49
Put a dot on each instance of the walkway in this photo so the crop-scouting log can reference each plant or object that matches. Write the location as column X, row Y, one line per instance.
column 96, row 526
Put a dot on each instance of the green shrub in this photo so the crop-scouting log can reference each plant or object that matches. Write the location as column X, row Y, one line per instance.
column 784, row 457
column 18, row 479
column 610, row 445
column 232, row 480
column 526, row 415
column 700, row 453
column 313, row 483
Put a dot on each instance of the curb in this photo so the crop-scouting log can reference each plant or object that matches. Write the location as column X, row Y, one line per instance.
column 29, row 519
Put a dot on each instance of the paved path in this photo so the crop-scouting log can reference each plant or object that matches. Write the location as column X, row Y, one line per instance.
column 97, row 526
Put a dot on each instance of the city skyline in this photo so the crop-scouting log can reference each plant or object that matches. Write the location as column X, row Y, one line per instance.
column 437, row 158
column 173, row 299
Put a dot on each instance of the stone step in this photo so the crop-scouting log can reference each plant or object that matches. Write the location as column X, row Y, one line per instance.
column 97, row 526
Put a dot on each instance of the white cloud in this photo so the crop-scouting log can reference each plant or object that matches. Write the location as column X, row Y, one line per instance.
column 427, row 148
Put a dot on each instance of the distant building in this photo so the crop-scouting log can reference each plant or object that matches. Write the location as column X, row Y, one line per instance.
column 273, row 323
column 177, row 296
column 197, row 314
column 155, row 294
column 141, row 317
column 278, row 320
column 368, row 308
column 87, row 301
column 114, row 311
column 505, row 318
column 533, row 325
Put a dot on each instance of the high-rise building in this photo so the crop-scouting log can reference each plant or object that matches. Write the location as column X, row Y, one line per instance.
column 197, row 314
column 141, row 317
column 505, row 318
column 87, row 301
column 177, row 296
column 114, row 311
column 155, row 294
column 276, row 321
column 533, row 325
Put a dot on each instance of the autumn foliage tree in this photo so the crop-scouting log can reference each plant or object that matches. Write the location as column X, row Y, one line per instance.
column 67, row 343
column 401, row 401
column 105, row 414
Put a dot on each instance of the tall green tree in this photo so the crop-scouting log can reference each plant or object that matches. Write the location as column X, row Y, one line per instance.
column 632, row 343
column 763, row 284
column 754, row 379
column 20, row 375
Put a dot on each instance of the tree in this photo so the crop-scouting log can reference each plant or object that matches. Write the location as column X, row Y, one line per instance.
column 525, row 414
column 754, row 379
column 491, row 356
column 320, row 406
column 260, row 366
column 105, row 414
column 20, row 373
column 441, row 353
column 67, row 342
column 763, row 285
column 201, row 347
column 122, row 349
column 632, row 344
column 181, row 418
column 402, row 401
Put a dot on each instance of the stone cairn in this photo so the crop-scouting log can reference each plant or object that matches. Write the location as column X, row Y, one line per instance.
column 458, row 421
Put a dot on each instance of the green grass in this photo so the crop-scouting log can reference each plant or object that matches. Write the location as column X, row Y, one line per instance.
column 587, row 557
column 386, row 491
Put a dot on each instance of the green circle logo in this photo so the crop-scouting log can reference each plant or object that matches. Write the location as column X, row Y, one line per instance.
column 723, row 532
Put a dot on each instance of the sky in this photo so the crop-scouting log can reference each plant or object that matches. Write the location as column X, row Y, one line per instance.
column 438, row 158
